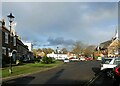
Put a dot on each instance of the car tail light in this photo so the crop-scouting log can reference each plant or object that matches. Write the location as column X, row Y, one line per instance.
column 117, row 71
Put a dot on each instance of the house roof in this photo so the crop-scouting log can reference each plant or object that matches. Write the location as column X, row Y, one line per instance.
column 105, row 44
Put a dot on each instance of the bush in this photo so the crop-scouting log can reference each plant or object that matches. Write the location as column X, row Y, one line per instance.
column 36, row 59
column 47, row 60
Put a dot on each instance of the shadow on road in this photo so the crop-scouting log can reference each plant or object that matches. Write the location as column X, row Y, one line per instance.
column 18, row 81
column 100, row 78
column 55, row 80
column 57, row 75
column 67, row 82
column 96, row 70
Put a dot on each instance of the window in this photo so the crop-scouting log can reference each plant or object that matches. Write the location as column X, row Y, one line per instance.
column 6, row 38
column 106, row 61
column 14, row 41
column 117, row 61
column 4, row 50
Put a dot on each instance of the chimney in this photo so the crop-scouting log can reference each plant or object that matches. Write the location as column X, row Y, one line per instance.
column 3, row 22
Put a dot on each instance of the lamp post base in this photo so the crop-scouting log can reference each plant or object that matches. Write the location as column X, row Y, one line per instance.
column 10, row 71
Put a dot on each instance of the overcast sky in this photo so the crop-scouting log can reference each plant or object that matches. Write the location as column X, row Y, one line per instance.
column 52, row 24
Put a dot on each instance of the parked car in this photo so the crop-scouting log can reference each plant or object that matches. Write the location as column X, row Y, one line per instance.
column 86, row 58
column 73, row 59
column 89, row 58
column 116, row 76
column 108, row 64
column 66, row 60
column 82, row 59
column 26, row 60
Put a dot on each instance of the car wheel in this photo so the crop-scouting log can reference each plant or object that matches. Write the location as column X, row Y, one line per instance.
column 116, row 81
column 110, row 73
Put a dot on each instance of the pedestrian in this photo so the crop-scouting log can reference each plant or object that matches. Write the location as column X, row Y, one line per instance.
column 102, row 56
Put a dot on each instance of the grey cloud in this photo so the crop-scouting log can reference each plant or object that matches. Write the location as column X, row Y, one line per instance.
column 59, row 41
column 61, row 21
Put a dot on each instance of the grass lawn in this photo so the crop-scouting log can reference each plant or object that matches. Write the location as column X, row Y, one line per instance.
column 28, row 68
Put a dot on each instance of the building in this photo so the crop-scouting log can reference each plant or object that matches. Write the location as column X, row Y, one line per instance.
column 30, row 48
column 30, row 45
column 10, row 45
column 59, row 56
column 0, row 44
column 22, row 50
column 110, row 47
column 114, row 48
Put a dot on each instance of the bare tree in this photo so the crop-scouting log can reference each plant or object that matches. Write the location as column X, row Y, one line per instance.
column 39, row 50
column 88, row 51
column 64, row 50
column 78, row 47
column 50, row 50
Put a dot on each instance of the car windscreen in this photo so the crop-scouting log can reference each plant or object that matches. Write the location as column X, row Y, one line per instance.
column 117, row 61
column 106, row 61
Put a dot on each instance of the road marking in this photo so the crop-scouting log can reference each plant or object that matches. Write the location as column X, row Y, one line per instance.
column 92, row 80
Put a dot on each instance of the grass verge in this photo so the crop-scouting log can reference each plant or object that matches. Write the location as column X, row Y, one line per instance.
column 28, row 68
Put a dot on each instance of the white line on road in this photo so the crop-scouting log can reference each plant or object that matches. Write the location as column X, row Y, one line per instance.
column 92, row 80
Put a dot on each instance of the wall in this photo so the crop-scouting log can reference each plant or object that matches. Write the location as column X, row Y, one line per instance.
column 0, row 47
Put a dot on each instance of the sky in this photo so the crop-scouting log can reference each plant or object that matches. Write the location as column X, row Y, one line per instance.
column 60, row 24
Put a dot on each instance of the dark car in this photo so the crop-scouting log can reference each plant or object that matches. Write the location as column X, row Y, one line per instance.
column 117, row 76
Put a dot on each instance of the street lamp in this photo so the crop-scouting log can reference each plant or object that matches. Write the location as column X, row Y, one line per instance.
column 11, row 19
column 57, row 52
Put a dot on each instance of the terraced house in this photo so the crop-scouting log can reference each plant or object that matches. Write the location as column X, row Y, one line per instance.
column 13, row 43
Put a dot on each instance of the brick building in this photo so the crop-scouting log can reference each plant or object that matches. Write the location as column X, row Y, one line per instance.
column 110, row 47
column 18, row 49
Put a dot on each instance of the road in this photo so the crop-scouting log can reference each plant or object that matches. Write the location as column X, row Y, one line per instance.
column 101, row 80
column 78, row 73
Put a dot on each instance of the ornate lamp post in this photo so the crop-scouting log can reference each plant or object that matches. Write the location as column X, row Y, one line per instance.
column 11, row 19
column 57, row 53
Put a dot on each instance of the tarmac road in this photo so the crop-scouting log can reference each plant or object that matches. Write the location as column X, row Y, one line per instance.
column 77, row 73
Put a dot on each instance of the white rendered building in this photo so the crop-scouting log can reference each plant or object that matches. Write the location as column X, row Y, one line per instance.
column 57, row 56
